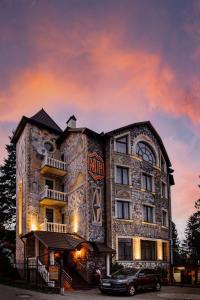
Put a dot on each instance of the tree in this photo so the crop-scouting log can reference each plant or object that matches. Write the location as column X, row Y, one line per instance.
column 175, row 245
column 8, row 187
column 192, row 234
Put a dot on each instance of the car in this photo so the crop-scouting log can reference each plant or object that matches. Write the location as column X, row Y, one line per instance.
column 131, row 280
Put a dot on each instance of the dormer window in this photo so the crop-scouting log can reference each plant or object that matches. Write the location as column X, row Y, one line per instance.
column 144, row 151
column 122, row 144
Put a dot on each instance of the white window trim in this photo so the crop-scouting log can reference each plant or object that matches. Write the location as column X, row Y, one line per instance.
column 165, row 165
column 167, row 218
column 128, row 141
column 130, row 208
column 147, row 140
column 153, row 182
column 154, row 214
column 129, row 174
column 166, row 190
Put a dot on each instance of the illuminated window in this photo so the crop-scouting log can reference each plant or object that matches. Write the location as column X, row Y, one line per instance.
column 145, row 152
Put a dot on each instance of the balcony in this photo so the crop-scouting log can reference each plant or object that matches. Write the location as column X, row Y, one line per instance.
column 53, row 166
column 53, row 198
column 53, row 227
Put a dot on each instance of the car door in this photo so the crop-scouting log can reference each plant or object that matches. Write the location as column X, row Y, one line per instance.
column 142, row 281
column 149, row 278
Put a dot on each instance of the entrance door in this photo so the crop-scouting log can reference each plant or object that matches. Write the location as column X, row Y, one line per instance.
column 49, row 183
column 49, row 215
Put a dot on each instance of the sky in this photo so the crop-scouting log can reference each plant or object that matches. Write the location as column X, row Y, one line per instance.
column 110, row 63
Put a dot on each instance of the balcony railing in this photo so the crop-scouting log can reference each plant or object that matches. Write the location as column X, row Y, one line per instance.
column 53, row 227
column 52, row 165
column 51, row 197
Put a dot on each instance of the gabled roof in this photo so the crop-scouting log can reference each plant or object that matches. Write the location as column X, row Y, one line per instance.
column 40, row 119
column 85, row 130
column 152, row 129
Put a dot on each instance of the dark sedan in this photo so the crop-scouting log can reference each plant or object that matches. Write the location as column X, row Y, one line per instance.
column 129, row 281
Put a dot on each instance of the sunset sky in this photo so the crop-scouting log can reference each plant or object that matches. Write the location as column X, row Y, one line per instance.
column 110, row 63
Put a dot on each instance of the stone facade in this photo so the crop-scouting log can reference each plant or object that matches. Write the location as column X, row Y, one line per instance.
column 90, row 208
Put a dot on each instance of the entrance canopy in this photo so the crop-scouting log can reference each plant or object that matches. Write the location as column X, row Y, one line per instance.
column 67, row 241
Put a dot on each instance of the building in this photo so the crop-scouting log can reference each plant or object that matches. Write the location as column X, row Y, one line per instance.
column 90, row 198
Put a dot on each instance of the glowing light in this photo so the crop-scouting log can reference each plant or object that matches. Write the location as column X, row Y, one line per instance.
column 75, row 223
column 136, row 248
column 33, row 226
column 159, row 250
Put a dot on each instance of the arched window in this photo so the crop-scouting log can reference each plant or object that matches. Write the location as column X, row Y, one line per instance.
column 145, row 152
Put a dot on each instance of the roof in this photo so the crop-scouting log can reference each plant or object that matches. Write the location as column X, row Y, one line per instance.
column 101, row 247
column 85, row 130
column 55, row 240
column 152, row 129
column 40, row 119
column 66, row 241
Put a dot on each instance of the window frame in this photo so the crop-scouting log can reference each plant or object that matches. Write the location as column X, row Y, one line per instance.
column 144, row 183
column 153, row 242
column 128, row 175
column 129, row 209
column 166, row 216
column 119, row 136
column 153, row 213
column 130, row 257
column 163, row 195
column 150, row 150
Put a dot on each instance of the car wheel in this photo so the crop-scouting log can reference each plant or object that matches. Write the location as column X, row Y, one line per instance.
column 131, row 290
column 157, row 287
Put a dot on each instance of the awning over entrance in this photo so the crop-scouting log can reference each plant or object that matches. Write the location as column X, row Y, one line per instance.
column 57, row 241
column 67, row 241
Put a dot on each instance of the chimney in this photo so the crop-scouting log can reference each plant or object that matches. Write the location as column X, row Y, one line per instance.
column 71, row 122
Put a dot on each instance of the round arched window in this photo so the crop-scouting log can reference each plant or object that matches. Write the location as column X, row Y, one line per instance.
column 145, row 152
column 49, row 146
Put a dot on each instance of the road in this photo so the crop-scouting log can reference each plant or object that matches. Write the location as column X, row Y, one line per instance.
column 174, row 293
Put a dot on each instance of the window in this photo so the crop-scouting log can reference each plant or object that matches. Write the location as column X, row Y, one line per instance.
column 123, row 210
column 148, row 214
column 163, row 189
column 147, row 182
column 164, row 251
column 49, row 146
column 125, row 250
column 148, row 250
column 122, row 144
column 145, row 152
column 164, row 218
column 49, row 183
column 162, row 164
column 49, row 215
column 122, row 175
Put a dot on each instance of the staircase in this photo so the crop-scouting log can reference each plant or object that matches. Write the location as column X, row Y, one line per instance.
column 35, row 263
column 78, row 283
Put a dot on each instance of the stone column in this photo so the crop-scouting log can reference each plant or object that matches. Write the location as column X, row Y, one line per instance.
column 107, row 264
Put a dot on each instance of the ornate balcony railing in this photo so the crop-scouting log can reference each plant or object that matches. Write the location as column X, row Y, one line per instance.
column 53, row 227
column 53, row 197
column 52, row 165
column 53, row 194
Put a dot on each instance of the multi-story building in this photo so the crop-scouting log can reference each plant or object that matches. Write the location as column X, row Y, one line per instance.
column 92, row 198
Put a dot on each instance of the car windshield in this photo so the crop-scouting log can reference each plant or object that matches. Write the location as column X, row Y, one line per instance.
column 124, row 272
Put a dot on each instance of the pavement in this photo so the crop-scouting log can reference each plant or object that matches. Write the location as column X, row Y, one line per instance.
column 168, row 292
